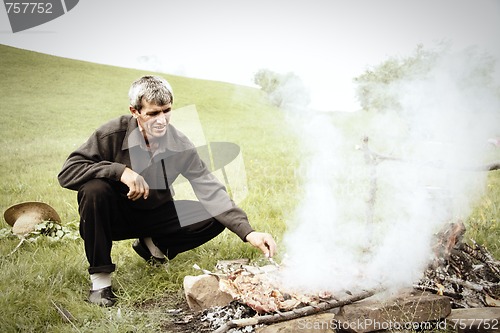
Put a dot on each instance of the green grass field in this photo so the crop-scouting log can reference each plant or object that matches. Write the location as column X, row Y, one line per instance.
column 50, row 106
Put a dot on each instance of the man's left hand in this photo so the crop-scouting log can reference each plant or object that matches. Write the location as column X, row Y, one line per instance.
column 262, row 241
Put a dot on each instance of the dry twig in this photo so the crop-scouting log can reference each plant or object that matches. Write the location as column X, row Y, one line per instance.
column 23, row 239
column 65, row 314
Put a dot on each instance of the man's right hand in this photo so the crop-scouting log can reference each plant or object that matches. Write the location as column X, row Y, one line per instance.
column 137, row 185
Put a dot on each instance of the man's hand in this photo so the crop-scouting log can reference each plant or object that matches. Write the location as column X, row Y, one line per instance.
column 136, row 184
column 262, row 241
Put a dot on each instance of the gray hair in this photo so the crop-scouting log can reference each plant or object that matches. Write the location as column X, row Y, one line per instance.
column 153, row 89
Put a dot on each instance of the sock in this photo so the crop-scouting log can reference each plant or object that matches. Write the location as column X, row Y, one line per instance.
column 100, row 280
column 155, row 251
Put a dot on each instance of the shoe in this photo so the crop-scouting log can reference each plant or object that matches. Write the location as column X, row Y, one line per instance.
column 103, row 297
column 141, row 249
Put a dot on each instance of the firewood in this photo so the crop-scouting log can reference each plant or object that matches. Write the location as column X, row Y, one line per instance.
column 467, row 284
column 462, row 269
column 438, row 291
column 488, row 259
column 293, row 314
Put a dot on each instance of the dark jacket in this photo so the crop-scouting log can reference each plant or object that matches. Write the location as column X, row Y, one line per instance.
column 119, row 144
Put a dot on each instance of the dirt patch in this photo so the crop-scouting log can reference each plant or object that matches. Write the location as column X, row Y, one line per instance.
column 185, row 322
column 174, row 314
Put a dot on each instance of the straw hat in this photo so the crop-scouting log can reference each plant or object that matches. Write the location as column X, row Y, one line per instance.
column 23, row 217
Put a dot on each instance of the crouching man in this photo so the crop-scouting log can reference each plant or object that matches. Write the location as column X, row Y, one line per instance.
column 123, row 175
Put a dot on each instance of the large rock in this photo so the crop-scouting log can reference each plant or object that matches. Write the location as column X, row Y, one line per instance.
column 320, row 323
column 406, row 310
column 202, row 292
column 483, row 320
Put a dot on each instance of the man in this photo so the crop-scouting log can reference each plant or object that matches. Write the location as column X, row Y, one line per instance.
column 124, row 175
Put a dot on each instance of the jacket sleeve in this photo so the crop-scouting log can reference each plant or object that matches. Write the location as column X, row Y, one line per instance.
column 213, row 195
column 94, row 159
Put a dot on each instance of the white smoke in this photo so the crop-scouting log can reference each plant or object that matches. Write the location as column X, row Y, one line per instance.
column 438, row 136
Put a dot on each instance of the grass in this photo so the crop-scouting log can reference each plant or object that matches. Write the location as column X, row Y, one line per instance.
column 50, row 106
column 484, row 222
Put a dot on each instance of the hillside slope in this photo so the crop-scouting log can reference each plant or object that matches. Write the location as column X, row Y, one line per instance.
column 50, row 105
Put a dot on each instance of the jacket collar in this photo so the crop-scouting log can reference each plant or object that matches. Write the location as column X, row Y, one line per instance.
column 133, row 136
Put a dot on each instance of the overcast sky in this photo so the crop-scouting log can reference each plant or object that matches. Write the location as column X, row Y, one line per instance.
column 326, row 42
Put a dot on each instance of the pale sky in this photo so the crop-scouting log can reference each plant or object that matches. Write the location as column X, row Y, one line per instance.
column 325, row 42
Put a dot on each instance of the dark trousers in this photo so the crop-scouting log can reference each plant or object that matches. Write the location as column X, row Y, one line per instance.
column 106, row 215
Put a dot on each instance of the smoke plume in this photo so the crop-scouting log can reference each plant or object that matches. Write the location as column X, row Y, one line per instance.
column 365, row 221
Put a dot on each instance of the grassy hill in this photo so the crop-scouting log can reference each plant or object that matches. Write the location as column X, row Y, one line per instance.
column 50, row 105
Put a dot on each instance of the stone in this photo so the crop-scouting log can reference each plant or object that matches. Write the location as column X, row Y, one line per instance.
column 319, row 323
column 406, row 310
column 481, row 320
column 202, row 292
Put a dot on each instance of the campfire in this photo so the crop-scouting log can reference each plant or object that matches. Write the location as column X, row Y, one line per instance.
column 258, row 298
column 258, row 289
column 459, row 276
column 468, row 274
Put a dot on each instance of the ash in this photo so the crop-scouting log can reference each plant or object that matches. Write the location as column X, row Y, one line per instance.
column 219, row 315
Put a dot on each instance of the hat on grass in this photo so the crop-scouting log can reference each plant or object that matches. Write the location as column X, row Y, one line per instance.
column 23, row 217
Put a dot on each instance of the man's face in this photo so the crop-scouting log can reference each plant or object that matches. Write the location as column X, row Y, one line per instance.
column 153, row 119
